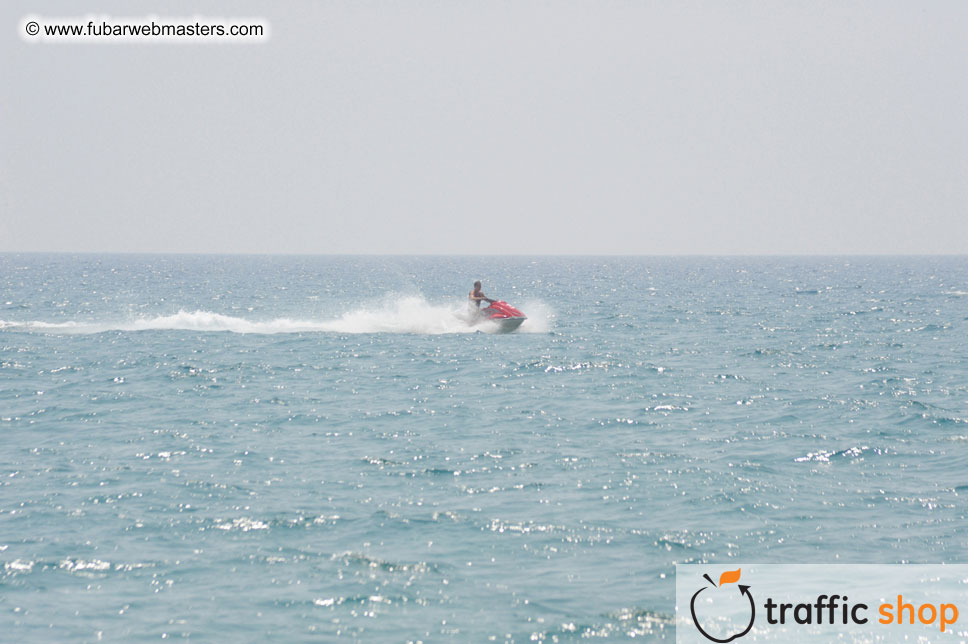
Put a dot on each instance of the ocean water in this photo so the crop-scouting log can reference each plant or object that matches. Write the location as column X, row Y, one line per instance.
column 306, row 449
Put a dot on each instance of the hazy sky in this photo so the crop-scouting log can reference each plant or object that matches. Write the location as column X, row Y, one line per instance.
column 520, row 127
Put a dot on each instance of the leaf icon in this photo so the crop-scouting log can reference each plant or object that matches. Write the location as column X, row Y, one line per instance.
column 729, row 577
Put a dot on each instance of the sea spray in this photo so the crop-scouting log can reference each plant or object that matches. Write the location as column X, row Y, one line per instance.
column 409, row 314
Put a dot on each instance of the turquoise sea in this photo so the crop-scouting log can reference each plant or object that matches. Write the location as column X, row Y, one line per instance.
column 315, row 449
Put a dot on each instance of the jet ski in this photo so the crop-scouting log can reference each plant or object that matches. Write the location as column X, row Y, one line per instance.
column 506, row 317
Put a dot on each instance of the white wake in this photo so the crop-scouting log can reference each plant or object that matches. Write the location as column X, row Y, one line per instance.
column 401, row 315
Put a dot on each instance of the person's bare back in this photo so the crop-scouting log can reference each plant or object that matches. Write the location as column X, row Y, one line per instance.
column 477, row 295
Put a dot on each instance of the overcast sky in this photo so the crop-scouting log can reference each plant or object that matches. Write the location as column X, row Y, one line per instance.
column 520, row 127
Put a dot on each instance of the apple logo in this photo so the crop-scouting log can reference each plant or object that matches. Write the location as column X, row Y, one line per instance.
column 728, row 577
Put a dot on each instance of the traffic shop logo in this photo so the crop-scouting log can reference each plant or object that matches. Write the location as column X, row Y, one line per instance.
column 723, row 590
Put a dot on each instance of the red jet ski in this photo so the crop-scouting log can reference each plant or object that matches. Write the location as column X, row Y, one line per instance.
column 506, row 317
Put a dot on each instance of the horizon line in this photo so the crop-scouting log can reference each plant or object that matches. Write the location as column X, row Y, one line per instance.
column 475, row 254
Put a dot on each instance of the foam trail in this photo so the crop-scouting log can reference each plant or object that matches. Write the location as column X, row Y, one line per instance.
column 402, row 315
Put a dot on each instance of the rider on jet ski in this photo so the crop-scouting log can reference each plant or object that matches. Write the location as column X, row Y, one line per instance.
column 503, row 317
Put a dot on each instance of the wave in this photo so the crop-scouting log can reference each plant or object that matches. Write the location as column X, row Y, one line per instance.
column 403, row 315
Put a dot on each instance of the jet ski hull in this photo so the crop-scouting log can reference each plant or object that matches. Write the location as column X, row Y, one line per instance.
column 507, row 325
column 505, row 317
